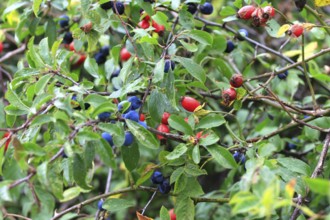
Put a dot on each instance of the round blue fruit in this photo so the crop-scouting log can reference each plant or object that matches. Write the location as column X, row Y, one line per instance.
column 99, row 205
column 230, row 46
column 67, row 39
column 206, row 8
column 120, row 8
column 100, row 58
column 283, row 75
column 239, row 157
column 129, row 138
column 169, row 64
column 144, row 124
column 115, row 73
column 104, row 116
column 64, row 21
column 107, row 5
column 157, row 177
column 135, row 102
column 164, row 187
column 192, row 7
column 105, row 50
column 132, row 115
column 106, row 136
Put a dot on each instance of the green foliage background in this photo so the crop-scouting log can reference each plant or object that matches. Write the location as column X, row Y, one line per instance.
column 39, row 78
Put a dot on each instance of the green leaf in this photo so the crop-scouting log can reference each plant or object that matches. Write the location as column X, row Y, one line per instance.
column 116, row 130
column 193, row 68
column 179, row 124
column 210, row 121
column 13, row 98
column 80, row 172
column 145, row 137
column 131, row 156
column 164, row 215
column 208, row 139
column 42, row 119
column 201, row 36
column 104, row 150
column 196, row 155
column 227, row 11
column 222, row 156
column 91, row 67
column 115, row 205
column 159, row 71
column 181, row 183
column 190, row 47
column 157, row 105
column 295, row 165
column 36, row 6
column 42, row 83
column 39, row 63
column 70, row 194
column 319, row 186
column 185, row 208
column 126, row 70
column 161, row 19
column 177, row 152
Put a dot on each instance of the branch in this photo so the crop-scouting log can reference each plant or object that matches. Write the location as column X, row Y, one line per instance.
column 8, row 55
column 16, row 216
column 132, row 189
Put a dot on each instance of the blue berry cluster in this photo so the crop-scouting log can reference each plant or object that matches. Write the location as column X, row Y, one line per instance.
column 101, row 56
column 110, row 4
column 164, row 185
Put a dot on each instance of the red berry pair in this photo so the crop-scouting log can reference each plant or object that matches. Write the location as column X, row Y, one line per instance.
column 259, row 16
column 145, row 24
column 230, row 94
column 163, row 127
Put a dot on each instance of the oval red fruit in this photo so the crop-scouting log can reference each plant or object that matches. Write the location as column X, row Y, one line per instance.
column 71, row 46
column 236, row 80
column 165, row 117
column 8, row 136
column 296, row 30
column 158, row 28
column 229, row 95
column 162, row 128
column 246, row 12
column 172, row 214
column 269, row 12
column 144, row 24
column 142, row 117
column 124, row 54
column 81, row 60
column 189, row 103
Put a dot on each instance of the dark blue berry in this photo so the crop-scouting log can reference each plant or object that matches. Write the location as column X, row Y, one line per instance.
column 157, row 177
column 164, row 187
column 230, row 46
column 100, row 58
column 104, row 116
column 120, row 8
column 99, row 205
column 67, row 39
column 242, row 32
column 115, row 73
column 121, row 106
column 169, row 64
column 105, row 50
column 206, row 8
column 129, row 138
column 283, row 75
column 132, row 115
column 64, row 21
column 106, row 136
column 106, row 6
column 239, row 157
column 192, row 7
column 293, row 144
column 135, row 102
column 143, row 123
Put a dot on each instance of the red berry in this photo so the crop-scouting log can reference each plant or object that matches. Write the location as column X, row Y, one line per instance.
column 229, row 95
column 158, row 28
column 1, row 47
column 269, row 12
column 71, row 46
column 144, row 24
column 236, row 80
column 172, row 214
column 81, row 60
column 246, row 12
column 296, row 30
column 162, row 128
column 7, row 135
column 124, row 54
column 142, row 117
column 165, row 117
column 189, row 103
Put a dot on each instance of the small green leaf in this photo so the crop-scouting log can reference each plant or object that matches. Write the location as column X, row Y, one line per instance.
column 145, row 137
column 179, row 124
column 210, row 121
column 161, row 19
column 177, row 152
column 295, row 165
column 159, row 71
column 320, row 186
column 36, row 6
column 201, row 36
column 131, row 156
column 164, row 215
column 80, row 172
column 91, row 67
column 222, row 156
column 193, row 68
column 115, row 205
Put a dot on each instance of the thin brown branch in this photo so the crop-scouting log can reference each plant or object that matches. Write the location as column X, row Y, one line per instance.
column 13, row 53
column 25, row 179
column 16, row 216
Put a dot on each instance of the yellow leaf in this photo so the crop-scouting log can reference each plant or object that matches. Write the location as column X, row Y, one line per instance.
column 283, row 29
column 142, row 217
column 13, row 17
column 321, row 3
column 289, row 188
column 309, row 50
column 308, row 26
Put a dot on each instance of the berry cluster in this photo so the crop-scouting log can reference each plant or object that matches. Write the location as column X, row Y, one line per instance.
column 118, row 7
column 128, row 109
column 260, row 16
column 229, row 95
column 101, row 56
column 164, row 185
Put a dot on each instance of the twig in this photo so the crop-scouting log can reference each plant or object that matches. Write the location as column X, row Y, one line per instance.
column 150, row 200
column 16, row 216
column 12, row 53
column 25, row 179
